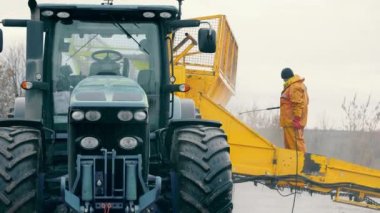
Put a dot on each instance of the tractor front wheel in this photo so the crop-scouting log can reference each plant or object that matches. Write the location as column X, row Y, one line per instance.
column 200, row 155
column 18, row 169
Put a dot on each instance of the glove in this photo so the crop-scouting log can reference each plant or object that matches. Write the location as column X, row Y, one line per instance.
column 296, row 122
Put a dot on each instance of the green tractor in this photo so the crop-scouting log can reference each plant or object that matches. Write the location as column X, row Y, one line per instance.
column 100, row 128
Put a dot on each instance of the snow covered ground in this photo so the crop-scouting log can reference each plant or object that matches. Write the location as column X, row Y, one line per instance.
column 248, row 198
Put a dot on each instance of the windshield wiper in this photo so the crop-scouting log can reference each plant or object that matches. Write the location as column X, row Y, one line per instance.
column 130, row 36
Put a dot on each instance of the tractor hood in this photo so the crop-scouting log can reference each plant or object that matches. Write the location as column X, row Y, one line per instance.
column 108, row 91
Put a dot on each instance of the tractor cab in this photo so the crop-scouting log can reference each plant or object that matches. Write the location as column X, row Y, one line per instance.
column 90, row 40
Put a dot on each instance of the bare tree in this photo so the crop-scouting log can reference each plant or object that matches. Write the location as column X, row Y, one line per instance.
column 325, row 123
column 12, row 73
column 261, row 119
column 361, row 117
column 6, row 94
column 14, row 61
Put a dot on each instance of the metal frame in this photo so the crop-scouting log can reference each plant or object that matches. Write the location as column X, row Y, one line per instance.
column 119, row 197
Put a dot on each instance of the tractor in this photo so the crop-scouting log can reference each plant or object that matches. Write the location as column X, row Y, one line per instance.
column 101, row 127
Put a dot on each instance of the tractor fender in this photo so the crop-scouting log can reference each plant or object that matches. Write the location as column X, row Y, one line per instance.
column 19, row 108
column 21, row 122
column 184, row 108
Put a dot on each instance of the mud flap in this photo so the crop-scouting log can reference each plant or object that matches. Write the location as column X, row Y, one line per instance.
column 69, row 198
column 151, row 196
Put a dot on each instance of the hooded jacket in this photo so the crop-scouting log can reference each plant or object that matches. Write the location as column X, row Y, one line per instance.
column 294, row 102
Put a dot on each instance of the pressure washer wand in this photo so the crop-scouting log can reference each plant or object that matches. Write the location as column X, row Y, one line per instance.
column 257, row 110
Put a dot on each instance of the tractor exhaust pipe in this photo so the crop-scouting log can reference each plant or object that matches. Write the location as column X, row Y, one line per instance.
column 179, row 9
column 34, row 10
column 32, row 5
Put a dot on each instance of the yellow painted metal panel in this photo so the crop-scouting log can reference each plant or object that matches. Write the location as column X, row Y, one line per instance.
column 253, row 155
column 238, row 133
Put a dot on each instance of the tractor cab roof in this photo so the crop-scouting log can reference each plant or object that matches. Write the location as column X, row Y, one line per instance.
column 108, row 12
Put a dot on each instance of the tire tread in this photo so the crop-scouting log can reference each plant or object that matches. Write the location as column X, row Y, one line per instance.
column 203, row 168
column 19, row 168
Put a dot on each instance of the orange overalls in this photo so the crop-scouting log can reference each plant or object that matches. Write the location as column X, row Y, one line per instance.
column 294, row 103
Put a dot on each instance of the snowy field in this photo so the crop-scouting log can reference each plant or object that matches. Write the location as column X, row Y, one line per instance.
column 251, row 199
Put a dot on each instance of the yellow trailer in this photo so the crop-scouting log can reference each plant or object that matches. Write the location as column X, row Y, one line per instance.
column 212, row 79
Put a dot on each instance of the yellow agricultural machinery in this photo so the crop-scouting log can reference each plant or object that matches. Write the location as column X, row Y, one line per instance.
column 212, row 78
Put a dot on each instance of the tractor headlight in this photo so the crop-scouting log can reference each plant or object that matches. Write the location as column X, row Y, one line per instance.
column 125, row 115
column 93, row 115
column 128, row 143
column 89, row 143
column 63, row 15
column 140, row 115
column 165, row 15
column 77, row 115
column 149, row 14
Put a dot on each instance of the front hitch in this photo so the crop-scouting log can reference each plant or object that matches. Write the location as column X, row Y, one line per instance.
column 110, row 182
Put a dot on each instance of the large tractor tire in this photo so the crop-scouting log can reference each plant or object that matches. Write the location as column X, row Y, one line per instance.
column 202, row 163
column 18, row 169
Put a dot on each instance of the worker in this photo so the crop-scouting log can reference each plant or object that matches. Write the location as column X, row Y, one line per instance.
column 293, row 110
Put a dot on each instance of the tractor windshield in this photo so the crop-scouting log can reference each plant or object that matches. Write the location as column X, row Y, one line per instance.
column 83, row 49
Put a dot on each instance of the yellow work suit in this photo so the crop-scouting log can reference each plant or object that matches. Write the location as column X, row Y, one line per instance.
column 294, row 105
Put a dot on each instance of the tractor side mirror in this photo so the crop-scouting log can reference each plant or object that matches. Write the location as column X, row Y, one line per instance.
column 207, row 40
column 1, row 40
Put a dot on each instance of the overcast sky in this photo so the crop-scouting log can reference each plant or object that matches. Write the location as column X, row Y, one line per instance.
column 334, row 44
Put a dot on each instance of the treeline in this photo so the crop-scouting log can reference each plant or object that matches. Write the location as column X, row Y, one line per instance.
column 12, row 73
